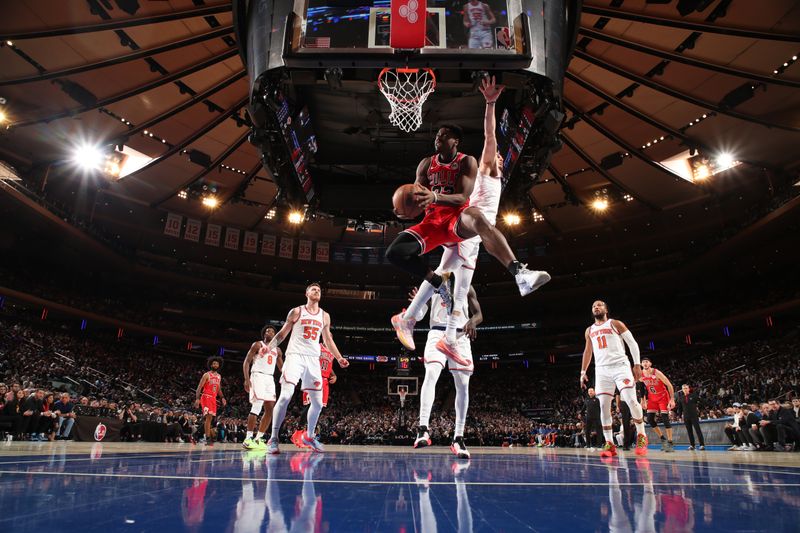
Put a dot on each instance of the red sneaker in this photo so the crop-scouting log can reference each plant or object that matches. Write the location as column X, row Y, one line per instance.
column 451, row 352
column 609, row 450
column 404, row 328
column 641, row 444
column 297, row 439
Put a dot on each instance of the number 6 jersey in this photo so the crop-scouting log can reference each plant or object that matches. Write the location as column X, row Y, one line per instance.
column 306, row 333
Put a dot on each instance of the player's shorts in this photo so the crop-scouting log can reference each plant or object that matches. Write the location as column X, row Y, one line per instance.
column 658, row 404
column 262, row 387
column 611, row 377
column 208, row 404
column 461, row 254
column 481, row 37
column 303, row 369
column 438, row 227
column 432, row 355
column 325, row 391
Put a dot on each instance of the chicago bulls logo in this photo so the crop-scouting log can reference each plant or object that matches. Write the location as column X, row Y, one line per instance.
column 409, row 11
column 100, row 432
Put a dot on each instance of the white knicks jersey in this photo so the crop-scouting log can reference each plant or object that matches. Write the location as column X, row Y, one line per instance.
column 306, row 333
column 486, row 196
column 439, row 313
column 265, row 360
column 607, row 345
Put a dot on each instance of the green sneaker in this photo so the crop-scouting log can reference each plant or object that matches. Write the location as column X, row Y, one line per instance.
column 250, row 444
column 260, row 444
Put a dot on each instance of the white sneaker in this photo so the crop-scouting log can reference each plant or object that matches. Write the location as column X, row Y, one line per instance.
column 459, row 448
column 530, row 280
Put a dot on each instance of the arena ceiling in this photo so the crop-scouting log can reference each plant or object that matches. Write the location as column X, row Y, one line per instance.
column 165, row 78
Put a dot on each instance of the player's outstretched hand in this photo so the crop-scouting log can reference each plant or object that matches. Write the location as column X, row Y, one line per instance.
column 344, row 363
column 470, row 330
column 424, row 197
column 637, row 372
column 490, row 90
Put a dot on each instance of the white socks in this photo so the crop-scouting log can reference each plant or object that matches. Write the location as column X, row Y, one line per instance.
column 461, row 380
column 428, row 392
column 314, row 411
column 279, row 411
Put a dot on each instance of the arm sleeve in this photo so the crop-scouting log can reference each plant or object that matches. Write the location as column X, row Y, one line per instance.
column 632, row 346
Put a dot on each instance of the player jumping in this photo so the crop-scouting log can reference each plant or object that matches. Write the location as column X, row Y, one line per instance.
column 466, row 226
column 259, row 382
column 659, row 400
column 328, row 378
column 208, row 389
column 612, row 370
column 434, row 364
column 307, row 324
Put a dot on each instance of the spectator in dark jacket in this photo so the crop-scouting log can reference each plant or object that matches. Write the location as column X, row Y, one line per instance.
column 594, row 428
column 32, row 414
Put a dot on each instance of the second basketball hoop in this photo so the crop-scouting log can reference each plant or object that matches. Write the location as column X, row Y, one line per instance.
column 406, row 89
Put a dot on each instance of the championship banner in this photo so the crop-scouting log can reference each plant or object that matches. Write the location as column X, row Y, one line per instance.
column 97, row 429
column 173, row 225
column 304, row 250
column 323, row 252
column 250, row 244
column 287, row 248
column 192, row 232
column 213, row 234
column 232, row 238
column 268, row 245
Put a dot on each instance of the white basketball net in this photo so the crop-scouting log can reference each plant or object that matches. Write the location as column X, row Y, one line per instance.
column 406, row 89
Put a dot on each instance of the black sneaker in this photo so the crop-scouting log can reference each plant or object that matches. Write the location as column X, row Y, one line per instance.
column 423, row 438
column 459, row 448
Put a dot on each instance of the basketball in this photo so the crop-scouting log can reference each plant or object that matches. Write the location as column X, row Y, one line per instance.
column 405, row 205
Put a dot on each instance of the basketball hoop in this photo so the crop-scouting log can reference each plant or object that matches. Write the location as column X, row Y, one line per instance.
column 406, row 89
column 402, row 391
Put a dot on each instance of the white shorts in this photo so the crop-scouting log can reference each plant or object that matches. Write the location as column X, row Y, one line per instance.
column 611, row 377
column 303, row 369
column 432, row 355
column 262, row 387
column 481, row 37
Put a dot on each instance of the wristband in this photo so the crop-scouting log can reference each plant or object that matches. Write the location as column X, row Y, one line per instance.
column 435, row 197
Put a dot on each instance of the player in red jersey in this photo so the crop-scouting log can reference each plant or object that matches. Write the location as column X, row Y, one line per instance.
column 659, row 399
column 206, row 395
column 328, row 378
column 444, row 184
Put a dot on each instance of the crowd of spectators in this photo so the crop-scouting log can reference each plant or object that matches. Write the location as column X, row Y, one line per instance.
column 49, row 376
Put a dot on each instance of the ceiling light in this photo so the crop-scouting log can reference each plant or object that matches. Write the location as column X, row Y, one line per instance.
column 627, row 197
column 10, row 43
column 210, row 201
column 295, row 217
column 3, row 117
column 183, row 195
column 511, row 219
column 600, row 204
column 88, row 157
column 725, row 161
column 270, row 214
column 537, row 216
column 701, row 172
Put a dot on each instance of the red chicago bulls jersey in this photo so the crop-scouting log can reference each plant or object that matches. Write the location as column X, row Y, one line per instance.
column 442, row 177
column 655, row 387
column 212, row 384
column 325, row 362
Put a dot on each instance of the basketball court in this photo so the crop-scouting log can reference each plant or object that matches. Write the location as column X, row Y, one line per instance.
column 140, row 487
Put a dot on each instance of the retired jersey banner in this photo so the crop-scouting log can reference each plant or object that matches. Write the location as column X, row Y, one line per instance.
column 287, row 248
column 323, row 252
column 304, row 250
column 268, row 245
column 192, row 232
column 232, row 238
column 250, row 244
column 173, row 225
column 213, row 234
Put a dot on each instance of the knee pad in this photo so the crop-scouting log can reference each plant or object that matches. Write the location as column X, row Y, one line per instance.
column 255, row 407
column 665, row 420
column 651, row 419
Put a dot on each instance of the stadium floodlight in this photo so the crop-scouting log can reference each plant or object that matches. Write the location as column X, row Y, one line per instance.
column 88, row 157
column 295, row 217
column 512, row 219
column 210, row 201
column 725, row 161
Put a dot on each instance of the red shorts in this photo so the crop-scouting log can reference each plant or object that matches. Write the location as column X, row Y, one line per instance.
column 208, row 404
column 438, row 227
column 658, row 404
column 325, row 389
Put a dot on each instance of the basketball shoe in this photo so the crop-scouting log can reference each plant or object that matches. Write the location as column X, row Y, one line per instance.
column 451, row 352
column 641, row 444
column 447, row 288
column 272, row 446
column 312, row 442
column 297, row 439
column 459, row 448
column 530, row 280
column 609, row 450
column 404, row 328
column 249, row 443
column 423, row 438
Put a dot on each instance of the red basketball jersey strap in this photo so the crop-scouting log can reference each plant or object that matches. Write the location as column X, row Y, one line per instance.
column 407, row 24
